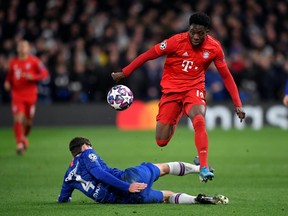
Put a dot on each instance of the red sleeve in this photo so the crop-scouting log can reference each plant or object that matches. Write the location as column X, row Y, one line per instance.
column 229, row 82
column 41, row 71
column 167, row 46
column 140, row 60
column 9, row 76
column 230, row 85
column 163, row 48
column 219, row 59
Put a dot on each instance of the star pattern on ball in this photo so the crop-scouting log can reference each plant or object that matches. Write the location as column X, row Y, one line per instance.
column 120, row 97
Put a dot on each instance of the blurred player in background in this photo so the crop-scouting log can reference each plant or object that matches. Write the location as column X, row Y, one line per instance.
column 285, row 99
column 25, row 71
column 188, row 56
column 93, row 177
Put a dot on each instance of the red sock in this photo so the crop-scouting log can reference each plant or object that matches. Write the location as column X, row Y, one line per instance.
column 201, row 139
column 18, row 131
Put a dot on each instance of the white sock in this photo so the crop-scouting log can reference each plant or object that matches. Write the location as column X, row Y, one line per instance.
column 182, row 198
column 182, row 168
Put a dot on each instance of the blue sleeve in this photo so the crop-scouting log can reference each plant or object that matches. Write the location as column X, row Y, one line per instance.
column 114, row 171
column 109, row 179
column 93, row 164
column 66, row 193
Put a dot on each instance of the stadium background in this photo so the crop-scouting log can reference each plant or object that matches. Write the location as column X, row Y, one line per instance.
column 82, row 42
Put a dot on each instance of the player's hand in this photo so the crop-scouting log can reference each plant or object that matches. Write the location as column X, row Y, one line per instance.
column 240, row 113
column 28, row 76
column 117, row 76
column 137, row 187
column 7, row 86
column 285, row 100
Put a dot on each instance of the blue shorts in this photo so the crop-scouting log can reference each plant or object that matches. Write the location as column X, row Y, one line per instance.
column 145, row 173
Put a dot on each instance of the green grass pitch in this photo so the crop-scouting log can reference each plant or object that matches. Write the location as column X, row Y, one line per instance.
column 251, row 168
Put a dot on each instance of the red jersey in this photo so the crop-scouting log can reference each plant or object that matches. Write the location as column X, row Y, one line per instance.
column 185, row 65
column 21, row 87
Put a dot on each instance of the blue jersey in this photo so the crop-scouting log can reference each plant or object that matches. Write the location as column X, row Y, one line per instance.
column 93, row 177
column 286, row 88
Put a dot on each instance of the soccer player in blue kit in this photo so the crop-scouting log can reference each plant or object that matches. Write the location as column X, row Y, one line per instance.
column 103, row 184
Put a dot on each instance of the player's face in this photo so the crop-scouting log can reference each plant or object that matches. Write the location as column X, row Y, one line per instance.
column 197, row 34
column 23, row 48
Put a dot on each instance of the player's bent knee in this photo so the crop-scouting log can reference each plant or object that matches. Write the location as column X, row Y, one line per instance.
column 164, row 168
column 162, row 143
column 167, row 195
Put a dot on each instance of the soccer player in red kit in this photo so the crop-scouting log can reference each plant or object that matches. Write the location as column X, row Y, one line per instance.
column 25, row 71
column 188, row 56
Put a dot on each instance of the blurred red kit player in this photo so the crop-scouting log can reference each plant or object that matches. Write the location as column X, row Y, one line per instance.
column 25, row 71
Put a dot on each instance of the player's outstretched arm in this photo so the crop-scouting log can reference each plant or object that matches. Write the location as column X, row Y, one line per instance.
column 136, row 63
column 240, row 113
column 66, row 193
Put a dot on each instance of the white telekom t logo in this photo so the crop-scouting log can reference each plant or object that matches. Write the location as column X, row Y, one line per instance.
column 187, row 65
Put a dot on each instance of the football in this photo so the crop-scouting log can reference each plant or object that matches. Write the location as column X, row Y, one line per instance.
column 120, row 97
column 224, row 199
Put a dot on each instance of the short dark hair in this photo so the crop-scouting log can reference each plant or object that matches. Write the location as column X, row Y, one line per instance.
column 76, row 143
column 200, row 18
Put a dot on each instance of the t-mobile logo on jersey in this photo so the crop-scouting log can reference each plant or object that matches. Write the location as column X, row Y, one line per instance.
column 187, row 65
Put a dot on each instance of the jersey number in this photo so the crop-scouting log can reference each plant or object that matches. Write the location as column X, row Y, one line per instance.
column 85, row 184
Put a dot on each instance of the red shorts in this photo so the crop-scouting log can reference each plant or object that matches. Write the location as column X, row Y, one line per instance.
column 28, row 108
column 173, row 105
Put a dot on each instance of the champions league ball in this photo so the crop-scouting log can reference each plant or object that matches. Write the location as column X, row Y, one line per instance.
column 120, row 97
